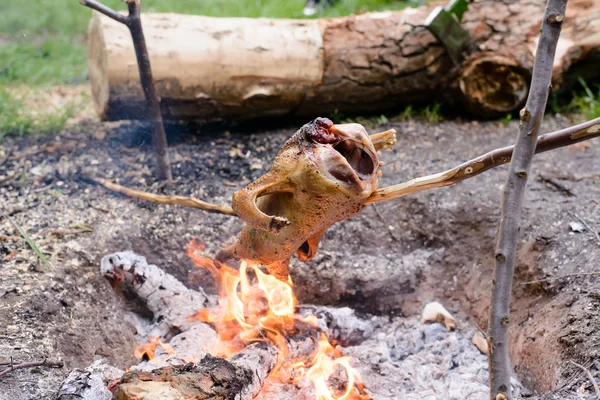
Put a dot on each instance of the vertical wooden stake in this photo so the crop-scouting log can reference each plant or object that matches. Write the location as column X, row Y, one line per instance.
column 512, row 200
column 134, row 24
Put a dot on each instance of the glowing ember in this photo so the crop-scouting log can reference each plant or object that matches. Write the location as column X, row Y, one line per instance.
column 255, row 306
column 147, row 349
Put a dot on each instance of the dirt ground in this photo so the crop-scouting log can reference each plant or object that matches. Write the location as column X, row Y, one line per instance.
column 389, row 260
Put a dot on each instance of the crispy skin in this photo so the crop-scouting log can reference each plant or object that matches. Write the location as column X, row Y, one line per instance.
column 323, row 174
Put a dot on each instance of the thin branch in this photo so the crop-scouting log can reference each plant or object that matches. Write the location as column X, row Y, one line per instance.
column 590, row 376
column 557, row 278
column 159, row 137
column 493, row 159
column 512, row 199
column 45, row 363
column 183, row 201
column 109, row 12
column 595, row 232
column 134, row 23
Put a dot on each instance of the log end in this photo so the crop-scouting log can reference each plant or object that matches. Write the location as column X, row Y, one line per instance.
column 493, row 85
column 98, row 66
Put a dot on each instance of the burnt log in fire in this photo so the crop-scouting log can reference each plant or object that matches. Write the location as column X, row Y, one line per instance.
column 210, row 69
column 179, row 363
column 240, row 378
column 395, row 357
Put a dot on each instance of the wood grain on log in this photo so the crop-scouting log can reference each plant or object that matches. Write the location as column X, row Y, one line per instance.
column 236, row 68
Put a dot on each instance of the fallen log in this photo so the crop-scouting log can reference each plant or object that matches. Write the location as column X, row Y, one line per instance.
column 209, row 69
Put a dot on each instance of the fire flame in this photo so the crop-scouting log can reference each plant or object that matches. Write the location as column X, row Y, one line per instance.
column 255, row 306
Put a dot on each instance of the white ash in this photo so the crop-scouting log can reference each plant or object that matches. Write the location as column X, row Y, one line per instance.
column 340, row 324
column 410, row 360
column 90, row 383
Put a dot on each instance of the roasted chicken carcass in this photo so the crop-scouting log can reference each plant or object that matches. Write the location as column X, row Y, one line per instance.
column 322, row 175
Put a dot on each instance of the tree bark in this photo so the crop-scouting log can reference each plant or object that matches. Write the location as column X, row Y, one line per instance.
column 209, row 69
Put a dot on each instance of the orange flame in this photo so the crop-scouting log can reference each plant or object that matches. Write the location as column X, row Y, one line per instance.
column 255, row 306
column 324, row 365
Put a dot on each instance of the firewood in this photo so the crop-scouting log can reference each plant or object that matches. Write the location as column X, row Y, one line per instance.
column 239, row 378
column 90, row 383
column 182, row 367
column 238, row 68
column 165, row 297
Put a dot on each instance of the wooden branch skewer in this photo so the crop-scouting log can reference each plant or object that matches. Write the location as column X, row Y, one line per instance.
column 495, row 158
column 500, row 368
column 183, row 201
column 134, row 24
column 384, row 140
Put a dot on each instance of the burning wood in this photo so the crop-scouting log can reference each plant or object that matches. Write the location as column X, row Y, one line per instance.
column 258, row 335
column 255, row 306
column 164, row 296
column 259, row 343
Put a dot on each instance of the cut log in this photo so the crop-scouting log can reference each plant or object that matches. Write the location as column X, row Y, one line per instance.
column 209, row 69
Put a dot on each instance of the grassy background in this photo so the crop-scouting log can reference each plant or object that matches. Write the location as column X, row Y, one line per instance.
column 43, row 41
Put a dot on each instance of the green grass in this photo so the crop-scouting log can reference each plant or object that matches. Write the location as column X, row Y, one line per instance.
column 43, row 41
column 60, row 60
column 584, row 101
column 16, row 119
column 587, row 102
column 32, row 244
column 430, row 114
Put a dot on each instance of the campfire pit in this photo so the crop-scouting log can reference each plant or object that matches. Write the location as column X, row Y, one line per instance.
column 255, row 341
